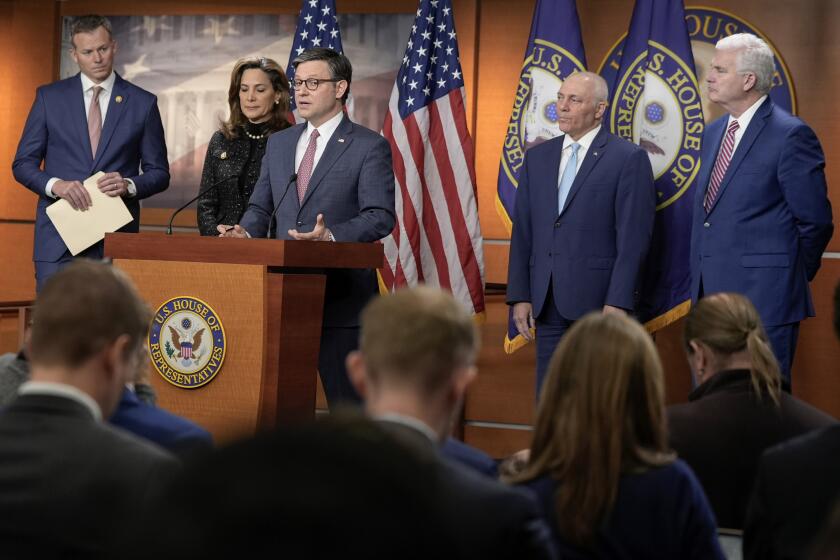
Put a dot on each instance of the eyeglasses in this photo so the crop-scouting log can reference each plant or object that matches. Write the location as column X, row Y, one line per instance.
column 312, row 83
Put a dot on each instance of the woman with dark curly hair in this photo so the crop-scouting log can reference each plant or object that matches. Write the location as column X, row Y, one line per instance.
column 259, row 102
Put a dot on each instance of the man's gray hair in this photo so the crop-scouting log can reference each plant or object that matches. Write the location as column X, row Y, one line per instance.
column 600, row 89
column 754, row 56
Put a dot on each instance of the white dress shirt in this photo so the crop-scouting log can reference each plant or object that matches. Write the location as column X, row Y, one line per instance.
column 107, row 86
column 62, row 390
column 584, row 142
column 744, row 121
column 325, row 132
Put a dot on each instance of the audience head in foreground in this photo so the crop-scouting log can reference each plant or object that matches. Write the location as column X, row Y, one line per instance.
column 69, row 483
column 724, row 332
column 416, row 358
column 738, row 408
column 87, row 332
column 600, row 460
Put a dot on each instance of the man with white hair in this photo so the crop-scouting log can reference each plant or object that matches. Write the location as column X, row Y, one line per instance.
column 762, row 218
column 583, row 221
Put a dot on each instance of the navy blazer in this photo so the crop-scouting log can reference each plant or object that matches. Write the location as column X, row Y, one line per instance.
column 352, row 186
column 771, row 221
column 658, row 514
column 56, row 133
column 173, row 433
column 594, row 251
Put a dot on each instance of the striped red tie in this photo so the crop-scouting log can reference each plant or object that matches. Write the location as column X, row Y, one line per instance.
column 722, row 162
column 306, row 165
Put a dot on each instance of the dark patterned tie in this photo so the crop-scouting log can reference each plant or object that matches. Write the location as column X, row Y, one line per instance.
column 306, row 165
column 95, row 120
column 721, row 164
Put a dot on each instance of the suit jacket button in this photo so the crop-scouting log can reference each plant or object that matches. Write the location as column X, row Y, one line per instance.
column 707, row 224
column 299, row 224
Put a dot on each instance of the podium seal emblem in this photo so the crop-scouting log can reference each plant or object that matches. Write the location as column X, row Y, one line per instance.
column 187, row 342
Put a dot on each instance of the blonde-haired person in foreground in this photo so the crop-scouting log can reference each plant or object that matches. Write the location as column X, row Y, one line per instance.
column 600, row 463
column 738, row 408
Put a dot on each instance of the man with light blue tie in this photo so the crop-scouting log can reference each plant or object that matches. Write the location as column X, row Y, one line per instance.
column 582, row 223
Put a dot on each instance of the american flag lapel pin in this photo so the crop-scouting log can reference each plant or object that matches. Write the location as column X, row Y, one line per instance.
column 341, row 140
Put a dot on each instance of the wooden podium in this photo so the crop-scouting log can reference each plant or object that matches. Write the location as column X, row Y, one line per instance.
column 269, row 297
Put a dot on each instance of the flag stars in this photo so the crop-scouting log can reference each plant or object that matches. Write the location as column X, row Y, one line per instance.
column 434, row 3
column 434, row 60
column 426, row 35
column 445, row 66
column 304, row 35
column 333, row 33
column 412, row 84
column 456, row 74
column 410, row 44
column 449, row 50
column 316, row 42
column 421, row 52
column 428, row 75
column 413, row 29
column 409, row 102
column 417, row 67
column 438, row 43
column 325, row 10
column 442, row 27
column 322, row 26
column 430, row 18
column 452, row 35
column 313, row 3
column 441, row 83
column 308, row 19
column 299, row 50
column 427, row 91
column 405, row 61
column 446, row 11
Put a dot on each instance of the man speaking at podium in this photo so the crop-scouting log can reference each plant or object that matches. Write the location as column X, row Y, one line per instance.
column 343, row 191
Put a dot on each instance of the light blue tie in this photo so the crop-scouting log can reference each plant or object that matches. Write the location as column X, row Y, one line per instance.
column 567, row 179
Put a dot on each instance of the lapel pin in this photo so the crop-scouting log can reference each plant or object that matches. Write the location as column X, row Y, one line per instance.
column 341, row 140
column 595, row 154
column 223, row 155
column 119, row 99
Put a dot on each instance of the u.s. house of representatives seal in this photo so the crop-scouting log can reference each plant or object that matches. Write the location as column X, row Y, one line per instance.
column 187, row 342
column 534, row 116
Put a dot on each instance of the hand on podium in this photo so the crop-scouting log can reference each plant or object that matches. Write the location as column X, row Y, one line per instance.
column 319, row 233
column 231, row 231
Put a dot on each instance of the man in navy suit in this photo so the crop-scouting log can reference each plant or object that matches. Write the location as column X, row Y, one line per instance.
column 582, row 223
column 762, row 218
column 329, row 180
column 94, row 121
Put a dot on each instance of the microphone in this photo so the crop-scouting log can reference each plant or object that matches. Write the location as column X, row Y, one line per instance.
column 212, row 187
column 273, row 219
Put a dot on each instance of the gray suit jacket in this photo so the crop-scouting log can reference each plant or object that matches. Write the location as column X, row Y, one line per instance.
column 69, row 485
column 352, row 186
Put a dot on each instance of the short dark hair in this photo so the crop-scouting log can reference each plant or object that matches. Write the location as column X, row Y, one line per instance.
column 340, row 67
column 81, row 309
column 89, row 24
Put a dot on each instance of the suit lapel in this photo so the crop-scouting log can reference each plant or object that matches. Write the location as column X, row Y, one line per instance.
column 78, row 114
column 338, row 143
column 593, row 155
column 288, row 151
column 116, row 109
column 756, row 125
column 551, row 167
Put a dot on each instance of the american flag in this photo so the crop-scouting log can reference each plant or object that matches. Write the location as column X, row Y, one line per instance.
column 317, row 26
column 437, row 239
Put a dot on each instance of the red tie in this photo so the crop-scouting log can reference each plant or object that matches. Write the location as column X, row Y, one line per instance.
column 95, row 120
column 306, row 165
column 722, row 162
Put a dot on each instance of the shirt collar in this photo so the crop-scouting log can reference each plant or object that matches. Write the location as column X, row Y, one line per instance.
column 585, row 140
column 411, row 422
column 107, row 84
column 62, row 390
column 746, row 116
column 326, row 129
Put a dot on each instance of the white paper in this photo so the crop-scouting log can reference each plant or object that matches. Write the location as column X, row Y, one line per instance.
column 79, row 230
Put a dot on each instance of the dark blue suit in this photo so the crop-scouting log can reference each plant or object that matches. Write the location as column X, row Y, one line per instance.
column 56, row 133
column 173, row 433
column 353, row 187
column 591, row 255
column 770, row 223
